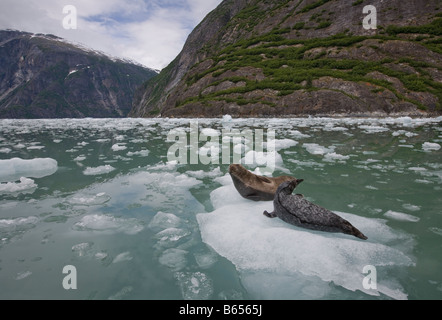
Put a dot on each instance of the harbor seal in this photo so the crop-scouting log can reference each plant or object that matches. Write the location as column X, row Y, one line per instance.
column 298, row 211
column 255, row 187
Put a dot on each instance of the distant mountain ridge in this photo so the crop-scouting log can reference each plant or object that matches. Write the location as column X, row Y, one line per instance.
column 44, row 76
column 304, row 57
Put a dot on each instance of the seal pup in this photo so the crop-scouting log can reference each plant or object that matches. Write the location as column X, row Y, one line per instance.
column 296, row 210
column 255, row 187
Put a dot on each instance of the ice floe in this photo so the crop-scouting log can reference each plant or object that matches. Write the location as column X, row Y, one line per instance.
column 141, row 153
column 107, row 223
column 89, row 199
column 171, row 237
column 24, row 186
column 118, row 147
column 175, row 259
column 333, row 156
column 15, row 168
column 316, row 149
column 125, row 291
column 89, row 171
column 124, row 256
column 401, row 216
column 164, row 220
column 195, row 286
column 201, row 174
column 256, row 245
column 23, row 275
column 430, row 146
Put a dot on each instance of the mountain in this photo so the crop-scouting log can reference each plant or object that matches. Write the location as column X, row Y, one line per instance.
column 304, row 57
column 43, row 76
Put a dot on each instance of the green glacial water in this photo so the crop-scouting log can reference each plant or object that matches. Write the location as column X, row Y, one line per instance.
column 102, row 196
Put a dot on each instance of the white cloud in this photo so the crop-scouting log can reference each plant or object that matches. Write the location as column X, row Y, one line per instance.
column 151, row 32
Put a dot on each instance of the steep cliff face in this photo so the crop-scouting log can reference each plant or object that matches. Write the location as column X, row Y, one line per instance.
column 298, row 57
column 42, row 76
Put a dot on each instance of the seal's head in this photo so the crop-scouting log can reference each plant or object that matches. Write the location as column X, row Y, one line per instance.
column 288, row 186
column 237, row 170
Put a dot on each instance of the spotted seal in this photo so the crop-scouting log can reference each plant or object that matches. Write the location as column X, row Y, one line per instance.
column 255, row 187
column 298, row 211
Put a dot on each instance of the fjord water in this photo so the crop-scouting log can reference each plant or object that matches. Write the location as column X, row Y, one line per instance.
column 100, row 195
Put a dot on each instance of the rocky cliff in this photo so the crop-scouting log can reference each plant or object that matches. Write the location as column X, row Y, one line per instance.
column 42, row 76
column 304, row 57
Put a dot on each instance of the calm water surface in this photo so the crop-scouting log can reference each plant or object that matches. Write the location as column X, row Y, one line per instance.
column 100, row 195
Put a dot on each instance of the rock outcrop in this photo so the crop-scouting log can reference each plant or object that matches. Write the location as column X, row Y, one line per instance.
column 304, row 57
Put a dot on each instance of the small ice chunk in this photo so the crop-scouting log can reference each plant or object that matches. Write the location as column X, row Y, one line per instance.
column 227, row 118
column 195, row 286
column 170, row 237
column 206, row 259
column 316, row 149
column 22, row 275
column 297, row 134
column 24, row 186
column 333, row 156
column 174, row 259
column 141, row 153
column 89, row 199
column 401, row 216
column 256, row 158
column 200, row 174
column 98, row 170
column 209, row 132
column 122, row 293
column 35, row 148
column 125, row 256
column 429, row 146
column 163, row 220
column 119, row 137
column 373, row 128
column 284, row 143
column 411, row 207
column 82, row 249
column 108, row 224
column 15, row 168
column 5, row 150
column 100, row 255
column 436, row 230
column 118, row 147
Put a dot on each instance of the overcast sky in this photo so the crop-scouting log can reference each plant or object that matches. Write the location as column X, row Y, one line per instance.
column 151, row 32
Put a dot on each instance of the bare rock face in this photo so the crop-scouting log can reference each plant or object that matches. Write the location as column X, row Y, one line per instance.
column 42, row 76
column 256, row 58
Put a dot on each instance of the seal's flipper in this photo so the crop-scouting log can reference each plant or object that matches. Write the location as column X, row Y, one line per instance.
column 270, row 215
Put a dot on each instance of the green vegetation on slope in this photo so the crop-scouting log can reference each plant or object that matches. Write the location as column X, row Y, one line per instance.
column 292, row 64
